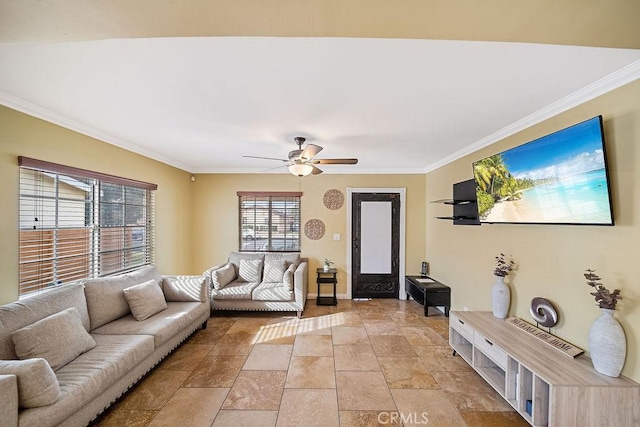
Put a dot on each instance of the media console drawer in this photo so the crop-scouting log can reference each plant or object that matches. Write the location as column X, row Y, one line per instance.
column 459, row 325
column 490, row 350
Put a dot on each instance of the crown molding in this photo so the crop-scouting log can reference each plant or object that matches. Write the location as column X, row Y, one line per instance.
column 606, row 84
column 325, row 171
column 26, row 107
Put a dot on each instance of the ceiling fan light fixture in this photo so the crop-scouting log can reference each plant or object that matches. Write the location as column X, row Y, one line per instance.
column 300, row 169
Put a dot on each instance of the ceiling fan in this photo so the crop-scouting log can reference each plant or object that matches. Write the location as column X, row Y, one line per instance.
column 301, row 162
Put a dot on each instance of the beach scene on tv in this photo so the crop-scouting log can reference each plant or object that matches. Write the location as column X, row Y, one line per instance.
column 559, row 178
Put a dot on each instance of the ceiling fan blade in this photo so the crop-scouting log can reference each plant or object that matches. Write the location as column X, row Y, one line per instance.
column 309, row 151
column 334, row 161
column 266, row 158
column 277, row 167
column 316, row 171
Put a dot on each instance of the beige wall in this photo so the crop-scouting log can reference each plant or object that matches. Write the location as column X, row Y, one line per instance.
column 23, row 135
column 215, row 220
column 197, row 222
column 551, row 258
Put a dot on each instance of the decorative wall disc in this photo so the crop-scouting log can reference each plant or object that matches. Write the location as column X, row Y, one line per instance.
column 314, row 229
column 543, row 312
column 333, row 199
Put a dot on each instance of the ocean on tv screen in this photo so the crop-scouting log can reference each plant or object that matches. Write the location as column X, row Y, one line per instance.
column 580, row 199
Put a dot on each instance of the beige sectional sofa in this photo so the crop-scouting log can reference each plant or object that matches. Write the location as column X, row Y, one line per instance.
column 117, row 349
column 270, row 281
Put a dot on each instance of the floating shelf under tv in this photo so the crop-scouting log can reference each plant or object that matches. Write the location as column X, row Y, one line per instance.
column 456, row 217
column 465, row 211
column 454, row 202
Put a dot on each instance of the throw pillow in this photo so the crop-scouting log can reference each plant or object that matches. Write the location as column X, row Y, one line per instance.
column 288, row 277
column 223, row 276
column 273, row 271
column 183, row 289
column 145, row 299
column 290, row 257
column 58, row 339
column 250, row 270
column 37, row 384
column 235, row 257
column 105, row 300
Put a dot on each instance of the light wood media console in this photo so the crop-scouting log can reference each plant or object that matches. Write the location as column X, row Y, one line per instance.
column 545, row 386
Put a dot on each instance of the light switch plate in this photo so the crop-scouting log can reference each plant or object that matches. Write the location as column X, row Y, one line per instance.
column 336, row 236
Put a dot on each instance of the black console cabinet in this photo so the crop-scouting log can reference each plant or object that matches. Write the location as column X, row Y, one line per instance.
column 433, row 294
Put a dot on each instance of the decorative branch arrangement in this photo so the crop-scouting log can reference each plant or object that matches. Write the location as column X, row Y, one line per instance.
column 604, row 298
column 503, row 267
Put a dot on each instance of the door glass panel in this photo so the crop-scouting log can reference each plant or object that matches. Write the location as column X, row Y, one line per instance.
column 375, row 238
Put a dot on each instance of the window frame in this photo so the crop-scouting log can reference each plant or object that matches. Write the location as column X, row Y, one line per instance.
column 78, row 243
column 292, row 238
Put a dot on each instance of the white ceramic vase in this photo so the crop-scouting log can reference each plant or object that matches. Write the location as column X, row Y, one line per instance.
column 326, row 268
column 500, row 298
column 607, row 344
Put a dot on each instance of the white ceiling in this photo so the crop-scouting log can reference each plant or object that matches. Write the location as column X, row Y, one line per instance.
column 399, row 105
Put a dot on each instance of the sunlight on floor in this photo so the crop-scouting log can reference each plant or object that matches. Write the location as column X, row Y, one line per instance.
column 309, row 325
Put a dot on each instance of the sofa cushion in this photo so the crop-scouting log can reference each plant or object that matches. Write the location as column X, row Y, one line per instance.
column 37, row 384
column 288, row 277
column 21, row 313
column 272, row 292
column 58, row 339
column 9, row 397
column 145, row 299
column 105, row 296
column 90, row 374
column 234, row 290
column 250, row 270
column 174, row 319
column 273, row 270
column 223, row 276
column 184, row 288
column 289, row 257
column 144, row 274
column 235, row 257
column 105, row 299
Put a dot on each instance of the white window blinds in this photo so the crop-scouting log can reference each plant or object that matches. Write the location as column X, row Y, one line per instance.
column 77, row 224
column 269, row 222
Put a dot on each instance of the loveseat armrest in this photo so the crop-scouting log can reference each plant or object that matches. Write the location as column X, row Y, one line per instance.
column 9, row 400
column 300, row 284
column 185, row 288
column 207, row 273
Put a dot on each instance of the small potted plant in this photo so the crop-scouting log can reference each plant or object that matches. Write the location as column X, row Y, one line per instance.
column 604, row 298
column 327, row 264
column 607, row 342
column 503, row 267
column 500, row 293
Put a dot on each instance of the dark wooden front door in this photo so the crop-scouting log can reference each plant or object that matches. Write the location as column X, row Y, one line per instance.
column 376, row 245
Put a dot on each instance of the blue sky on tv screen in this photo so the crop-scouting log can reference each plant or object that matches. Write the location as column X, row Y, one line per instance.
column 571, row 151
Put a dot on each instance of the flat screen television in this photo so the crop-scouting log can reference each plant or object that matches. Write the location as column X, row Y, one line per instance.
column 561, row 178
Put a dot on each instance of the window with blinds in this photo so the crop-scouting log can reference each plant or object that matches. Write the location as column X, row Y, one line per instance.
column 269, row 222
column 77, row 224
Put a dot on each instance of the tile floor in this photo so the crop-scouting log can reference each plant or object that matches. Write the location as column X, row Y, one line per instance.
column 370, row 363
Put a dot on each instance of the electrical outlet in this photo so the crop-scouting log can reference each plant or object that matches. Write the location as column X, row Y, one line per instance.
column 465, row 309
